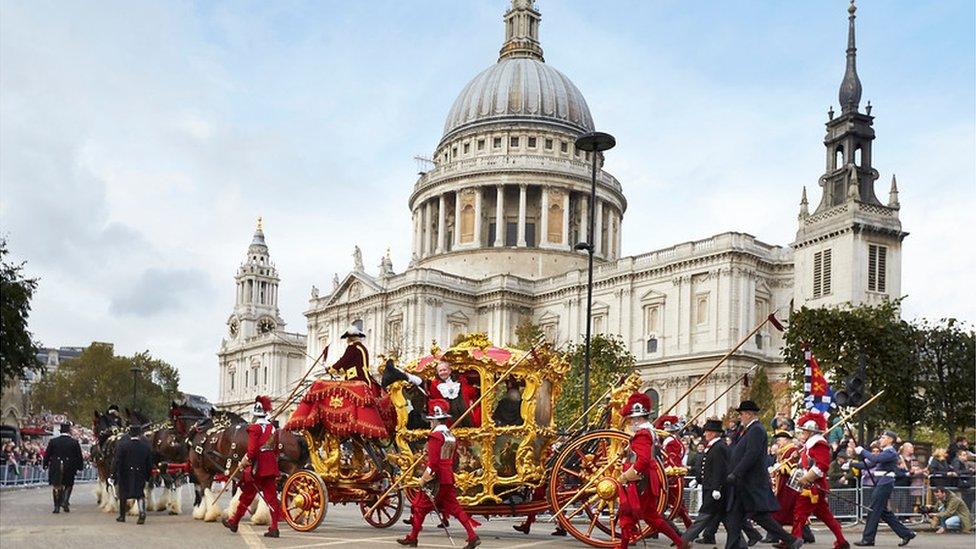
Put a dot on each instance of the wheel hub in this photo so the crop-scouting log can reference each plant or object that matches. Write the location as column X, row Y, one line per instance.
column 606, row 489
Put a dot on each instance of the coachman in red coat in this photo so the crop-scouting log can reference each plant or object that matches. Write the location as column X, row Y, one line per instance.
column 674, row 456
column 642, row 486
column 815, row 459
column 442, row 497
column 260, row 466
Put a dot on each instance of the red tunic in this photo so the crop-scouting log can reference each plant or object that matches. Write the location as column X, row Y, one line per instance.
column 815, row 455
column 674, row 451
column 440, row 456
column 262, row 450
column 785, row 495
column 642, row 459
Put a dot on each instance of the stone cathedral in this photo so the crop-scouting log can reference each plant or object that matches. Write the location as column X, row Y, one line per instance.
column 494, row 221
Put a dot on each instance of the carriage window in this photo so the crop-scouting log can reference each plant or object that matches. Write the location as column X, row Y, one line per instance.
column 508, row 411
column 232, row 381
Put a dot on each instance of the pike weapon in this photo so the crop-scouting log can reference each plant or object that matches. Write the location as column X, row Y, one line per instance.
column 409, row 469
column 282, row 408
column 433, row 503
column 770, row 318
column 709, row 405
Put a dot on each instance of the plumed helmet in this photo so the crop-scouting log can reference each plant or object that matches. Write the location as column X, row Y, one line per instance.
column 670, row 424
column 438, row 408
column 638, row 405
column 814, row 422
column 262, row 406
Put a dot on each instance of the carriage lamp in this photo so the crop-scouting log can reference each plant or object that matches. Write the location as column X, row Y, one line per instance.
column 593, row 142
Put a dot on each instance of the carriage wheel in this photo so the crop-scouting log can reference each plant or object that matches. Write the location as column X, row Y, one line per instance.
column 304, row 501
column 386, row 513
column 592, row 517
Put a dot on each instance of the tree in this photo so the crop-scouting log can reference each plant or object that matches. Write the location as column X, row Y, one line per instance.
column 609, row 359
column 838, row 336
column 946, row 352
column 18, row 351
column 526, row 334
column 98, row 378
column 762, row 394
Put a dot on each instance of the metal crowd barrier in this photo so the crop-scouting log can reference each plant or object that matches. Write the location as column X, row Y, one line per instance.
column 34, row 475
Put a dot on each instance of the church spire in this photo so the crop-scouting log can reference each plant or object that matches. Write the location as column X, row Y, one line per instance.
column 850, row 87
column 522, row 32
column 804, row 205
column 893, row 194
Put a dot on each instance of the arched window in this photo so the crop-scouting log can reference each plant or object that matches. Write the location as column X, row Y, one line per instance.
column 467, row 224
column 655, row 401
column 555, row 227
column 838, row 157
column 857, row 156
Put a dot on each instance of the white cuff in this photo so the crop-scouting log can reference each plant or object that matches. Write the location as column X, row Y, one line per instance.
column 716, row 494
column 816, row 470
column 415, row 379
column 859, row 449
column 428, row 471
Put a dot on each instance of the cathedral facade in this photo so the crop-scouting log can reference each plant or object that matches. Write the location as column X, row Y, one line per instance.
column 496, row 218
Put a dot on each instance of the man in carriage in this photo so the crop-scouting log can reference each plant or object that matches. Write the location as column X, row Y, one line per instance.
column 457, row 391
column 814, row 461
column 260, row 466
column 641, row 486
column 353, row 365
column 442, row 498
column 674, row 456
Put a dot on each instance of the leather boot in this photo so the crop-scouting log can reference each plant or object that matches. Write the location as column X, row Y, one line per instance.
column 121, row 511
column 56, row 495
column 142, row 510
column 65, row 499
column 808, row 534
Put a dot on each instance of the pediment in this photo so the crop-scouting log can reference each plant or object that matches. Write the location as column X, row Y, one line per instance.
column 356, row 286
column 457, row 316
column 548, row 318
column 653, row 296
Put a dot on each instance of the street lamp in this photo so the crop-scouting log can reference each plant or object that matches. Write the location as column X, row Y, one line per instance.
column 135, row 376
column 592, row 142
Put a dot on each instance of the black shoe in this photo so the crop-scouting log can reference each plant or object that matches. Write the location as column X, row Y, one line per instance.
column 65, row 507
column 229, row 525
column 271, row 534
column 557, row 532
column 472, row 543
column 407, row 521
column 141, row 520
column 796, row 543
column 524, row 528
column 768, row 539
column 904, row 541
column 754, row 540
column 56, row 510
column 409, row 542
column 705, row 541
column 808, row 535
column 121, row 518
column 864, row 543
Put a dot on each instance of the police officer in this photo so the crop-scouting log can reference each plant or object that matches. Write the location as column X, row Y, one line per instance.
column 132, row 468
column 62, row 459
column 260, row 466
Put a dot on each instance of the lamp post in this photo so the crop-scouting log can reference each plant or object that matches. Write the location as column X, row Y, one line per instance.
column 592, row 142
column 135, row 376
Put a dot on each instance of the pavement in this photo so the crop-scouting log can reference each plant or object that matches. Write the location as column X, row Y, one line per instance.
column 26, row 521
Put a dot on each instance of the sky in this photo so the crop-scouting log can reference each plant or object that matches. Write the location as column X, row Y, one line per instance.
column 140, row 141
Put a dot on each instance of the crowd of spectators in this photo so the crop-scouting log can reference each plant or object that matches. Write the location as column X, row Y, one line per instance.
column 35, row 432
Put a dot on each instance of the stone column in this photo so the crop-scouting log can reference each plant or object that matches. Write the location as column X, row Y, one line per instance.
column 477, row 217
column 441, row 220
column 457, row 220
column 521, row 217
column 620, row 227
column 566, row 220
column 544, row 240
column 500, row 216
column 598, row 228
column 416, row 235
column 425, row 230
column 584, row 219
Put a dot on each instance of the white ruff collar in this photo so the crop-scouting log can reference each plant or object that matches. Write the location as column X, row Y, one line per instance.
column 814, row 440
column 646, row 425
column 449, row 389
column 448, row 437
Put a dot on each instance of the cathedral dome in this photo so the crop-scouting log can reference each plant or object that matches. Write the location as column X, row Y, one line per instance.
column 519, row 88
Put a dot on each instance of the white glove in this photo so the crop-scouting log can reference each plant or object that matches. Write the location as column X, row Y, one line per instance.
column 415, row 380
column 859, row 449
column 770, row 469
column 716, row 494
column 693, row 483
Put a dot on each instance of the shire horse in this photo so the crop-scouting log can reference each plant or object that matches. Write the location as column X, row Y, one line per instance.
column 216, row 444
column 108, row 429
column 167, row 448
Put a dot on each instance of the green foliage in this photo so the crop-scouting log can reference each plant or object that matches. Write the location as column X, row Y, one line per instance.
column 526, row 334
column 946, row 354
column 609, row 360
column 18, row 351
column 761, row 393
column 98, row 378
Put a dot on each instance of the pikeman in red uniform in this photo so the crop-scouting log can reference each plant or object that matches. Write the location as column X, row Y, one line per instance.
column 354, row 363
column 814, row 459
column 674, row 456
column 441, row 446
column 642, row 487
column 260, row 466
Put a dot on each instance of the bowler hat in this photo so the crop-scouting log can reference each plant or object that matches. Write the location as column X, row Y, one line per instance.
column 747, row 406
column 714, row 425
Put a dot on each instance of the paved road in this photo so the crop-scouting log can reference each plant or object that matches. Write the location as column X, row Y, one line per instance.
column 26, row 521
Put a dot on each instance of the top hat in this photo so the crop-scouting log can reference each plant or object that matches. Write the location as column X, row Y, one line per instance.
column 747, row 406
column 714, row 425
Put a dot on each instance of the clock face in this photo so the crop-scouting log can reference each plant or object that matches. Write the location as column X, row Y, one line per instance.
column 234, row 328
column 266, row 325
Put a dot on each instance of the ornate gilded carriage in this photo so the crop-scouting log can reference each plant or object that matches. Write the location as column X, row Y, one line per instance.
column 511, row 460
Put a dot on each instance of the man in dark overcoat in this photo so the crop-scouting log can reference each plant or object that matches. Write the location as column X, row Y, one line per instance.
column 711, row 478
column 132, row 468
column 750, row 491
column 62, row 459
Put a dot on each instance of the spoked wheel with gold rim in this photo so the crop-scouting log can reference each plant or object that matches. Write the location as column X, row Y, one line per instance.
column 304, row 501
column 386, row 513
column 583, row 477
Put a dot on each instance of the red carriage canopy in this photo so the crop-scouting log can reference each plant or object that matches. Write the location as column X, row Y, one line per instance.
column 343, row 408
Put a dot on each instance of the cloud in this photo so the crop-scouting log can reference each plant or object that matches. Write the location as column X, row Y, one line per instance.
column 160, row 290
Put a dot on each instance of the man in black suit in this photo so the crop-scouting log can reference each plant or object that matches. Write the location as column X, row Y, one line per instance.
column 711, row 477
column 62, row 459
column 750, row 492
column 132, row 467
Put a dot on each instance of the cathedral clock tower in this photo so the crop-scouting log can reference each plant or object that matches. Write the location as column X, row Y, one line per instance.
column 849, row 249
column 256, row 307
